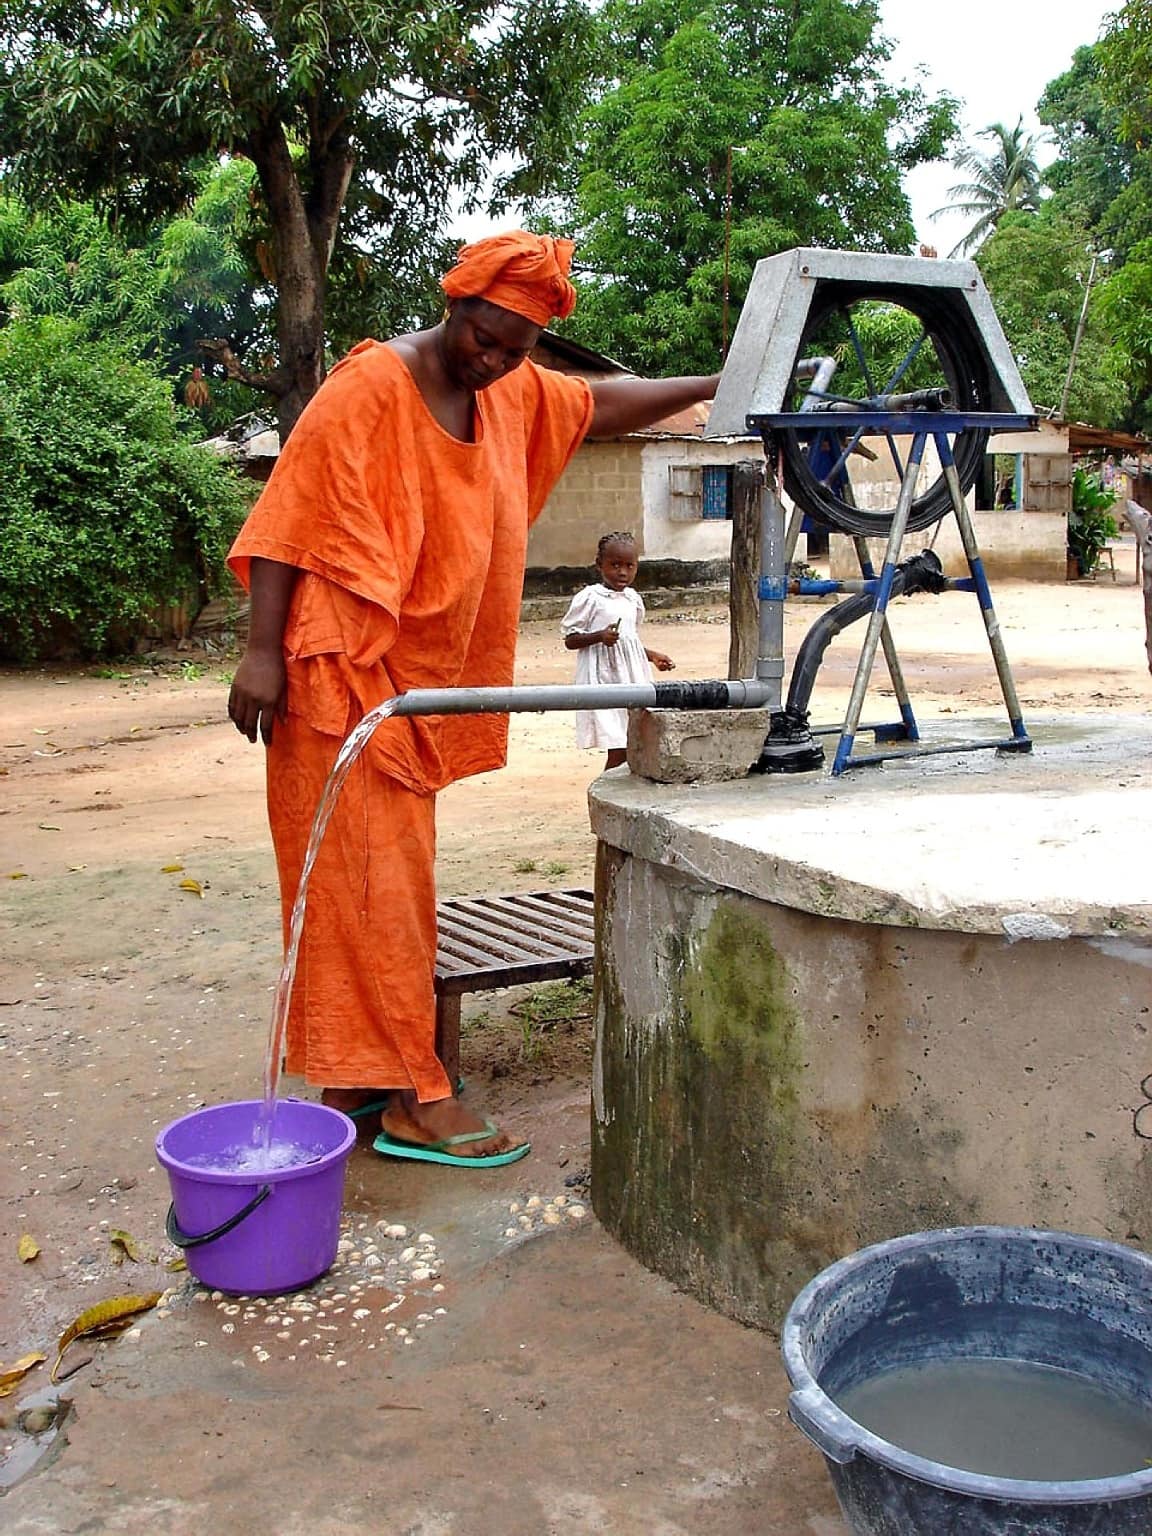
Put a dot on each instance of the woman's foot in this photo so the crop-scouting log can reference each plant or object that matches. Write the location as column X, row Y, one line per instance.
column 355, row 1101
column 407, row 1119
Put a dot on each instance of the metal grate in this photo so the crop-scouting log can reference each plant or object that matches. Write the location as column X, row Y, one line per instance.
column 484, row 942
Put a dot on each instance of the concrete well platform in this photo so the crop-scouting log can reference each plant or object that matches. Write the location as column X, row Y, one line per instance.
column 834, row 1011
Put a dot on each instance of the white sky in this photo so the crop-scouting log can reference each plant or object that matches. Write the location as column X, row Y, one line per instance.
column 996, row 56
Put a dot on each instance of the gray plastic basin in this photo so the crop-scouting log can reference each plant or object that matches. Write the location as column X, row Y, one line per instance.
column 1050, row 1298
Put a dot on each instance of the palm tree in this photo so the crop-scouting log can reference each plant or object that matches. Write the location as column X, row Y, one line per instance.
column 1006, row 179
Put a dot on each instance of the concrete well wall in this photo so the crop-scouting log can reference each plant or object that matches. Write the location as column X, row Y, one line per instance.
column 805, row 1046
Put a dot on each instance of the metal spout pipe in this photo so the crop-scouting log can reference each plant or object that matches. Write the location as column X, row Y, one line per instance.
column 721, row 694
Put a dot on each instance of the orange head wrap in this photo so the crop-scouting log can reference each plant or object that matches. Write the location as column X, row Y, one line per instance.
column 527, row 274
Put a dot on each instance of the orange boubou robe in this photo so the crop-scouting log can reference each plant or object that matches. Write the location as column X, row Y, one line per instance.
column 411, row 546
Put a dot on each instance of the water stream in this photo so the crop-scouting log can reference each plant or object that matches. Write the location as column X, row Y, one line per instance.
column 355, row 742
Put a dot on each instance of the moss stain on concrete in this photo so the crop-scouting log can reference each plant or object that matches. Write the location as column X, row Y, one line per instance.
column 709, row 1101
column 739, row 1004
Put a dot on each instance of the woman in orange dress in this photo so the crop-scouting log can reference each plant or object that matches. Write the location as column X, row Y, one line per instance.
column 387, row 553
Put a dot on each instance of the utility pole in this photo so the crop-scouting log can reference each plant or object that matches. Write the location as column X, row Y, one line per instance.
column 1078, row 338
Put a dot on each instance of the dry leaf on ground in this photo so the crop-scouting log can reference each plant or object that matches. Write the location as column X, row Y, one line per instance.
column 11, row 1378
column 103, row 1320
column 171, row 869
column 125, row 1246
column 27, row 1248
column 192, row 885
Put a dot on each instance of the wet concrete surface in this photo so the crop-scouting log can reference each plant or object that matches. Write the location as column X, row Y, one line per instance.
column 554, row 1385
column 563, row 1389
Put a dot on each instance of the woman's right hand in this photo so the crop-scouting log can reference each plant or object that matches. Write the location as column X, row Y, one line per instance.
column 259, row 694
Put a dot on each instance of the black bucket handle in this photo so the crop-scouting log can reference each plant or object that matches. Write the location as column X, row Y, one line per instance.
column 181, row 1239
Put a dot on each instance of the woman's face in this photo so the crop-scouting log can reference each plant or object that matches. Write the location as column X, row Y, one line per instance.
column 482, row 343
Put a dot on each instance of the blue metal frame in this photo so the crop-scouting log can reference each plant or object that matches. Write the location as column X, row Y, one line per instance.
column 921, row 426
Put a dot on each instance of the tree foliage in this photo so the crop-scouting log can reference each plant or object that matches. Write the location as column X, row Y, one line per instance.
column 108, row 508
column 1096, row 178
column 1126, row 68
column 361, row 119
column 1102, row 182
column 1006, row 180
column 759, row 126
column 153, row 293
column 1037, row 270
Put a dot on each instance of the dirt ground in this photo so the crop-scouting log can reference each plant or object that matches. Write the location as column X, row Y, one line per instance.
column 544, row 1382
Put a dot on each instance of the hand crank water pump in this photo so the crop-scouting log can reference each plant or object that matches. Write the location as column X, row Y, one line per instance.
column 835, row 352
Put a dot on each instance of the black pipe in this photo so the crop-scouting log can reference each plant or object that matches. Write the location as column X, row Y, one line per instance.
column 789, row 746
column 919, row 573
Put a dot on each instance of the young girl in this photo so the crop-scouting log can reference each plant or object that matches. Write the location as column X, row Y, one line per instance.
column 601, row 624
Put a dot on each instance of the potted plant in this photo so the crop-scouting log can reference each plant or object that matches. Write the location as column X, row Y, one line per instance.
column 1090, row 522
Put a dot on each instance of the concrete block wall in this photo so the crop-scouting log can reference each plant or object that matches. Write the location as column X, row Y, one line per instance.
column 601, row 490
column 1015, row 546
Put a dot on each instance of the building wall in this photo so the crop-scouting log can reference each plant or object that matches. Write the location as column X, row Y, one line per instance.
column 666, row 538
column 1015, row 546
column 600, row 491
column 627, row 484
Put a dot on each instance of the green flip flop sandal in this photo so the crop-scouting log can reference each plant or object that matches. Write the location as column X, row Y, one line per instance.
column 438, row 1151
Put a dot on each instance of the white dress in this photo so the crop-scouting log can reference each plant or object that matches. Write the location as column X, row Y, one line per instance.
column 597, row 607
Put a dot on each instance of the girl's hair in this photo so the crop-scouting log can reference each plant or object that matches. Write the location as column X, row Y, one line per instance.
column 621, row 537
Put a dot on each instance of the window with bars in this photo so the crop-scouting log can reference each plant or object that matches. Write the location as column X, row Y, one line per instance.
column 700, row 492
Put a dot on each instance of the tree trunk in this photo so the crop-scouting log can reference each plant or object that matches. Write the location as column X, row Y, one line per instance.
column 1141, row 524
column 744, row 568
column 304, row 231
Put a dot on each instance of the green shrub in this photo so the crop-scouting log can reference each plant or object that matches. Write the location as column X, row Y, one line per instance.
column 1090, row 523
column 107, row 508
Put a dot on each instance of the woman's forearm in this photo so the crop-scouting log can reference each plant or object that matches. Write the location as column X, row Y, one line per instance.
column 271, row 585
column 623, row 404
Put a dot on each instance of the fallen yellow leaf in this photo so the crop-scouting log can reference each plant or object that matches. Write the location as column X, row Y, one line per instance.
column 103, row 1320
column 27, row 1248
column 124, row 1245
column 11, row 1378
column 46, row 826
column 17, row 874
column 178, row 1263
column 171, row 869
column 192, row 885
column 74, row 869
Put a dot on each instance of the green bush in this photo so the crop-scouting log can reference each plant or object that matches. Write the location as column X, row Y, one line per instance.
column 1090, row 523
column 107, row 508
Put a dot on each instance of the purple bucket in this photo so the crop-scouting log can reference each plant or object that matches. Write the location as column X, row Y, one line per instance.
column 256, row 1231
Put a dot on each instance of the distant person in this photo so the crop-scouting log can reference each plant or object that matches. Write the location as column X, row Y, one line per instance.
column 387, row 553
column 602, row 624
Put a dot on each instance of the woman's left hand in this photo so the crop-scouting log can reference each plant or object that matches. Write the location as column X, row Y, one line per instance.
column 661, row 662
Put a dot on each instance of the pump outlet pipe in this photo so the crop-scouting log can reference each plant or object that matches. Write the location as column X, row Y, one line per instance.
column 743, row 693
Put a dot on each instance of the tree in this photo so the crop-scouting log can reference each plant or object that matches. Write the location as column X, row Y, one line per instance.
column 1125, row 305
column 368, row 110
column 108, row 509
column 1036, row 268
column 1103, row 181
column 1094, row 167
column 1005, row 181
column 155, row 295
column 1126, row 68
column 726, row 131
